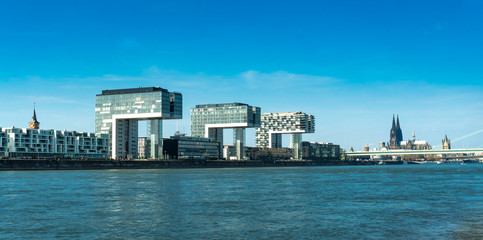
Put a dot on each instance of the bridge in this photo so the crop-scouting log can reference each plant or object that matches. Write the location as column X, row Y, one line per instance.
column 400, row 152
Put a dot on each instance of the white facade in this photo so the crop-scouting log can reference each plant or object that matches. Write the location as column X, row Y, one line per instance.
column 273, row 125
column 53, row 143
column 143, row 147
column 3, row 143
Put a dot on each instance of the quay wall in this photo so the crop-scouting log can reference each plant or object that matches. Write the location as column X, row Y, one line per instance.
column 42, row 164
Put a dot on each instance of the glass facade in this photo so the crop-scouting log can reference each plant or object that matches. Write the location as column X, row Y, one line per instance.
column 320, row 151
column 136, row 101
column 228, row 113
column 183, row 147
column 123, row 108
column 215, row 117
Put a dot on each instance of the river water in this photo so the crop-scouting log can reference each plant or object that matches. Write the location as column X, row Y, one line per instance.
column 351, row 202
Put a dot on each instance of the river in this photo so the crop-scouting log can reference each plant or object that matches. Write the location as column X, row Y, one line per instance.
column 350, row 202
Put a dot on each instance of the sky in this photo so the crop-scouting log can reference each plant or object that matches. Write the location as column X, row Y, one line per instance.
column 351, row 64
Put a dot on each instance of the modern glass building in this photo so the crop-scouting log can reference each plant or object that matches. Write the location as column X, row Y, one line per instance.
column 320, row 151
column 273, row 125
column 209, row 120
column 184, row 147
column 118, row 112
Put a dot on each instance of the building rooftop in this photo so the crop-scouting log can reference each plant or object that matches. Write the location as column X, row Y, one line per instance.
column 132, row 90
column 222, row 105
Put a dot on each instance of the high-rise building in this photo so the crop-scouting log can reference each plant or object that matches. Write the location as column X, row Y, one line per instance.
column 118, row 112
column 273, row 125
column 144, row 146
column 209, row 120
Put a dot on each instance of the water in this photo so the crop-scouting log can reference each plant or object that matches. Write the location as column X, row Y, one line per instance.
column 359, row 202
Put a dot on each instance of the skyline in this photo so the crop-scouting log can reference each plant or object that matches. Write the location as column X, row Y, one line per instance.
column 350, row 65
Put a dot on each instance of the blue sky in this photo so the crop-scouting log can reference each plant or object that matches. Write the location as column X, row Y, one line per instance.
column 352, row 64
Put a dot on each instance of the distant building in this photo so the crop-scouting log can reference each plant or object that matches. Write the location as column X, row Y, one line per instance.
column 382, row 146
column 320, row 151
column 33, row 142
column 34, row 124
column 185, row 147
column 396, row 139
column 257, row 153
column 273, row 125
column 229, row 152
column 144, row 146
column 209, row 120
column 3, row 143
column 396, row 136
column 414, row 144
column 38, row 143
column 446, row 143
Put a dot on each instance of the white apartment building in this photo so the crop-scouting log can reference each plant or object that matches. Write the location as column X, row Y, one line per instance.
column 3, row 143
column 273, row 125
column 25, row 142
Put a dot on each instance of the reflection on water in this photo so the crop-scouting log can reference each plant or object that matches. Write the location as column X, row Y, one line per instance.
column 404, row 202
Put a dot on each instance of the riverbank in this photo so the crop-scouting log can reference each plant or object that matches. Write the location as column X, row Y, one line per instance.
column 41, row 164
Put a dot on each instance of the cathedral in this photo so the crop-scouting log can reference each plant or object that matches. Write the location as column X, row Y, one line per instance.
column 396, row 136
column 396, row 139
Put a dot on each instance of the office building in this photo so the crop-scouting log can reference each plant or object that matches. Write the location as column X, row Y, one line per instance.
column 209, row 120
column 273, row 125
column 320, row 151
column 269, row 154
column 118, row 112
column 185, row 147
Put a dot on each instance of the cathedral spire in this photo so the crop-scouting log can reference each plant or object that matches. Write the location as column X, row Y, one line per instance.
column 393, row 122
column 397, row 126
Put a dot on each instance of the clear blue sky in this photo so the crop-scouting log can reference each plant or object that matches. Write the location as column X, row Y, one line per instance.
column 352, row 64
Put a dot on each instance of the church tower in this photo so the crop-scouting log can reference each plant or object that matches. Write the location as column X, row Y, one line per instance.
column 34, row 124
column 393, row 141
column 396, row 136
column 446, row 143
column 399, row 134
